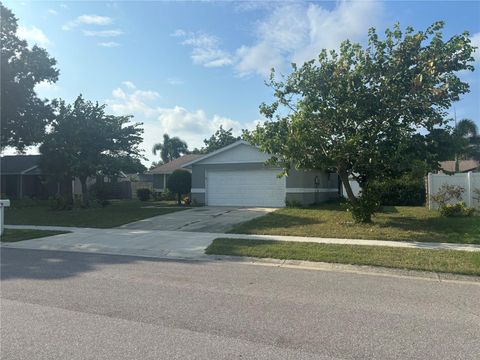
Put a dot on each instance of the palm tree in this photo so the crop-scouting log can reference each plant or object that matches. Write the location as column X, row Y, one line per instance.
column 468, row 136
column 171, row 148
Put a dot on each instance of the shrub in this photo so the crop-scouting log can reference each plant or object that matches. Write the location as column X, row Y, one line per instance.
column 447, row 193
column 364, row 206
column 144, row 194
column 293, row 204
column 456, row 210
column 102, row 192
column 167, row 195
column 476, row 194
column 399, row 192
column 180, row 182
column 59, row 202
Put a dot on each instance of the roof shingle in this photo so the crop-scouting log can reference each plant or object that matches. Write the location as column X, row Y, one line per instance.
column 173, row 165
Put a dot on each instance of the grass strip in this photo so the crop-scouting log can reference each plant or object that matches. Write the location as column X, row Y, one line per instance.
column 445, row 261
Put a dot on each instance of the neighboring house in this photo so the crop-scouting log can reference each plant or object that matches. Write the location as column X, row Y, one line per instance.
column 464, row 166
column 22, row 177
column 236, row 175
column 161, row 173
column 123, row 186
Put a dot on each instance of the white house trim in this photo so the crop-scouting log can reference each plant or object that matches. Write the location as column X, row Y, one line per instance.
column 310, row 190
column 29, row 169
column 197, row 190
column 226, row 148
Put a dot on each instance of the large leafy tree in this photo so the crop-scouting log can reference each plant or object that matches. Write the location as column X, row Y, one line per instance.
column 84, row 141
column 171, row 148
column 219, row 139
column 355, row 110
column 24, row 115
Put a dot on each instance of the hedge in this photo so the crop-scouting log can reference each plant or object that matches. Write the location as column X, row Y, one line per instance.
column 400, row 192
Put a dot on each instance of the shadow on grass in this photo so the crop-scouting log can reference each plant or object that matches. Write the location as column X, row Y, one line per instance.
column 274, row 220
column 49, row 265
column 458, row 230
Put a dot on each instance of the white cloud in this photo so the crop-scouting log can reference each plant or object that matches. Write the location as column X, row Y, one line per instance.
column 291, row 32
column 33, row 35
column 129, row 84
column 179, row 33
column 191, row 126
column 103, row 33
column 88, row 20
column 297, row 32
column 109, row 44
column 205, row 48
column 476, row 42
column 64, row 6
column 175, row 81
column 52, row 12
column 134, row 102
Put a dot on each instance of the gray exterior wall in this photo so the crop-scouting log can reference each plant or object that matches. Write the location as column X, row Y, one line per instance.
column 158, row 181
column 296, row 180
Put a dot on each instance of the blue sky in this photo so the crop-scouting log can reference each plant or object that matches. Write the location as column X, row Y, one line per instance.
column 186, row 67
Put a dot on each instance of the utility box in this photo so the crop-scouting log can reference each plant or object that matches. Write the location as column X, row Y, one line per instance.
column 3, row 204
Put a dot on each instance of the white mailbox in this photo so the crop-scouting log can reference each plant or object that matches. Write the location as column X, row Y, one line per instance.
column 3, row 204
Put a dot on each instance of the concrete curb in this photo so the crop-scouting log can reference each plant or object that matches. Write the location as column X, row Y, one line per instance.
column 347, row 268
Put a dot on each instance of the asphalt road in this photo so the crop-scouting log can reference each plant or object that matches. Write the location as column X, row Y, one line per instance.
column 57, row 305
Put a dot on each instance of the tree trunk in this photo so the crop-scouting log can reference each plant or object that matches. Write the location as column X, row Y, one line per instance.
column 179, row 198
column 85, row 197
column 344, row 177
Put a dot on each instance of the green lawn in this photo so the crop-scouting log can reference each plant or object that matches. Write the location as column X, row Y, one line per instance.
column 400, row 223
column 118, row 213
column 13, row 235
column 448, row 261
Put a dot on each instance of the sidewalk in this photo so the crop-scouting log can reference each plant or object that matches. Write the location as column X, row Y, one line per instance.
column 179, row 244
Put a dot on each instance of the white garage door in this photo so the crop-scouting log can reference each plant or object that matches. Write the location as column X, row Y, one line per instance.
column 245, row 188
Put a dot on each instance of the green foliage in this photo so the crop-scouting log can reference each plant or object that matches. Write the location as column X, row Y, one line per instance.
column 171, row 148
column 180, row 182
column 220, row 139
column 448, row 197
column 400, row 192
column 292, row 204
column 456, row 210
column 144, row 194
column 447, row 194
column 467, row 140
column 364, row 207
column 357, row 111
column 84, row 142
column 59, row 202
column 167, row 195
column 24, row 115
column 102, row 192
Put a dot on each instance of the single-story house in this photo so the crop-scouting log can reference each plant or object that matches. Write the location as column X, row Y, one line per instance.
column 236, row 175
column 464, row 166
column 22, row 177
column 161, row 173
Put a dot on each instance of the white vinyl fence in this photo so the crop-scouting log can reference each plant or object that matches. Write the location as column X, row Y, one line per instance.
column 468, row 181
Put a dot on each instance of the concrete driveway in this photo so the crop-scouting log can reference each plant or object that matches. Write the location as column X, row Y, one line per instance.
column 213, row 219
